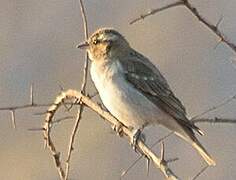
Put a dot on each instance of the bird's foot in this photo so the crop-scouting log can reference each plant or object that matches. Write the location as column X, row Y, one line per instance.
column 118, row 129
column 137, row 135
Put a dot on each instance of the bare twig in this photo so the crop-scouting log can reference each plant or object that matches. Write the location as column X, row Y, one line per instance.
column 223, row 103
column 200, row 172
column 195, row 12
column 154, row 11
column 107, row 116
column 72, row 139
column 82, row 90
column 85, row 23
column 215, row 120
column 24, row 106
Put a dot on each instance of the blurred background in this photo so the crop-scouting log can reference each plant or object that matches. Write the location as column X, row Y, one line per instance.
column 37, row 45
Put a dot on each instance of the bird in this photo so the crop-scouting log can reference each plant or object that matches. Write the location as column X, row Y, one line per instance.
column 134, row 91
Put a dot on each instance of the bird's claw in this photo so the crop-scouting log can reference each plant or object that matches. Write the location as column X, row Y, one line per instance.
column 137, row 136
column 118, row 129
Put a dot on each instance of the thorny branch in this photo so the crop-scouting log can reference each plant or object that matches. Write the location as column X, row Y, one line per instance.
column 84, row 100
column 195, row 12
column 70, row 94
column 196, row 118
column 31, row 104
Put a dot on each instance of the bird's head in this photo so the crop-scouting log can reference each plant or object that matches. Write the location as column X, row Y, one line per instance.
column 105, row 44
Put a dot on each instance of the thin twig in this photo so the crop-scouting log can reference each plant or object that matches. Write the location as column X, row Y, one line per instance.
column 85, row 23
column 215, row 120
column 154, row 11
column 72, row 139
column 213, row 28
column 24, row 106
column 200, row 172
column 223, row 103
column 82, row 90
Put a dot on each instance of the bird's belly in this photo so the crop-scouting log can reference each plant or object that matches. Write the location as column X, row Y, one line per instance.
column 126, row 103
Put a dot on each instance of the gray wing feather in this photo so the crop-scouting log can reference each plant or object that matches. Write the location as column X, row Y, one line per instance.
column 144, row 76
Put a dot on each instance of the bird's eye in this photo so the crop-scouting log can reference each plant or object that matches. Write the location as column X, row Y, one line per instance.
column 96, row 41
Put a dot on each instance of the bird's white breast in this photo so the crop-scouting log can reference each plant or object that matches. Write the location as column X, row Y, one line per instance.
column 126, row 103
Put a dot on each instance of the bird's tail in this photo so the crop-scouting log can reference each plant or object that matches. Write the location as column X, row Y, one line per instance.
column 202, row 151
column 186, row 132
column 190, row 137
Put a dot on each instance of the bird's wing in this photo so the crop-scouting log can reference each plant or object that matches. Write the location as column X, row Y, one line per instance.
column 145, row 77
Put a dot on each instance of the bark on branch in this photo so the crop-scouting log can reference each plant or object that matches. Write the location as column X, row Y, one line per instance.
column 70, row 94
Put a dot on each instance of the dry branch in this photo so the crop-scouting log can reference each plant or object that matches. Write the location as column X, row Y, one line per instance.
column 161, row 163
column 69, row 94
column 82, row 90
column 213, row 28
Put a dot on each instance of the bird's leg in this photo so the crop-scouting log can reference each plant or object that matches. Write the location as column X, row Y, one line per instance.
column 137, row 135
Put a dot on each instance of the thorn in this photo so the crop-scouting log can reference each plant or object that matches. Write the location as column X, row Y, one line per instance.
column 142, row 16
column 162, row 152
column 147, row 164
column 40, row 113
column 32, row 94
column 62, row 119
column 219, row 21
column 45, row 143
column 219, row 41
column 13, row 118
column 36, row 129
column 172, row 160
column 122, row 174
column 65, row 106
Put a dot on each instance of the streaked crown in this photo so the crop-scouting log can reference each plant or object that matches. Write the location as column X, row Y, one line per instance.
column 106, row 43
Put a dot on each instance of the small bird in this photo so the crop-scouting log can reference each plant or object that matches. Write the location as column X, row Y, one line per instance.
column 133, row 89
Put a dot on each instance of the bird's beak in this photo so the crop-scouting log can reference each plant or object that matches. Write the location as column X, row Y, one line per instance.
column 83, row 45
